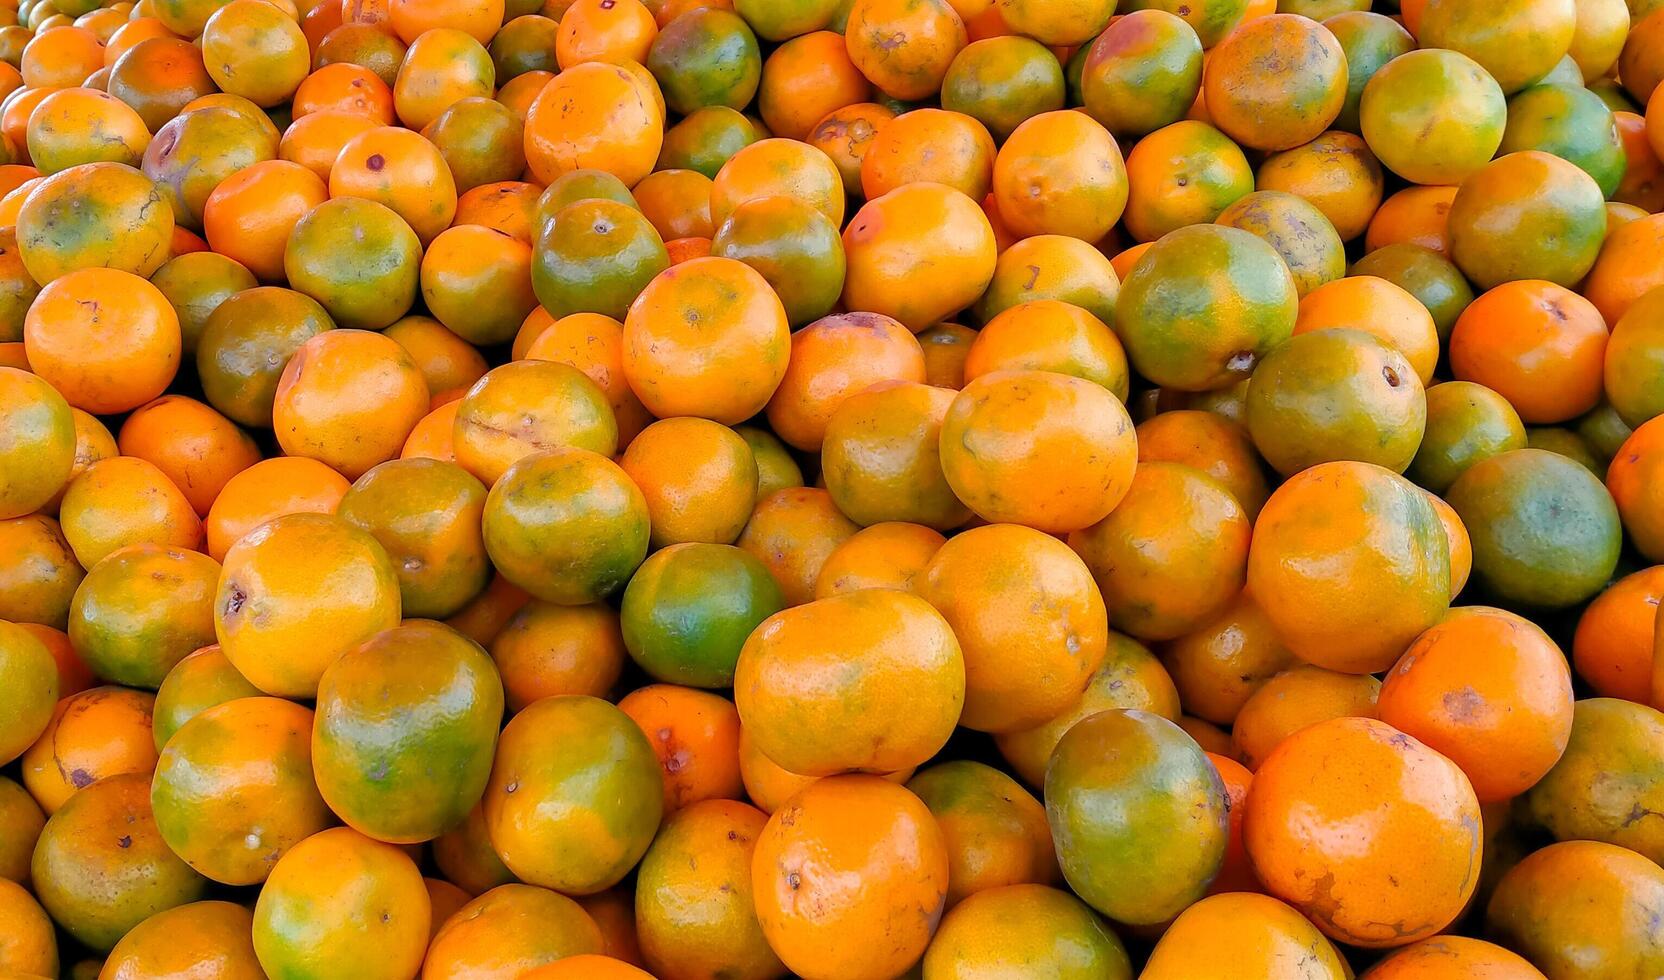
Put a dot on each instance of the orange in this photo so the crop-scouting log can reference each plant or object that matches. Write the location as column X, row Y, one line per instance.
column 1011, row 428
column 1025, row 927
column 111, row 354
column 593, row 344
column 1276, row 82
column 94, row 734
column 480, row 140
column 511, row 929
column 195, row 151
column 348, row 398
column 1414, row 216
column 1300, row 233
column 37, row 442
column 1210, row 443
column 234, row 789
column 1142, row 73
column 545, row 650
column 792, row 532
column 1052, row 267
column 448, row 363
column 1622, row 273
column 593, row 116
column 1466, row 422
column 249, row 216
column 1579, row 905
column 1060, row 173
column 567, row 525
column 1539, row 345
column 706, row 338
column 695, row 736
column 1332, row 775
column 195, row 284
column 1382, row 548
column 61, row 60
column 904, row 48
column 807, row 79
column 596, row 30
column 100, row 868
column 35, row 670
column 366, row 280
column 315, row 139
column 1500, row 708
column 203, row 680
column 141, row 610
column 340, row 903
column 96, row 214
column 694, row 911
column 1453, row 956
column 1501, row 221
column 933, row 145
column 268, row 489
column 255, row 50
column 919, row 254
column 1182, row 174
column 199, row 449
column 1294, row 699
column 1632, row 482
column 1433, row 116
column 575, row 794
column 850, row 856
column 805, row 709
column 881, row 459
column 996, row 832
column 1218, row 667
column 527, row 407
column 946, row 348
column 56, row 131
column 124, row 501
column 1171, row 555
column 40, row 581
column 845, row 135
column 988, row 583
column 426, row 514
column 442, row 67
column 698, row 477
column 319, row 585
column 833, row 359
column 1242, row 935
column 401, row 170
column 506, row 206
column 212, row 936
column 773, row 168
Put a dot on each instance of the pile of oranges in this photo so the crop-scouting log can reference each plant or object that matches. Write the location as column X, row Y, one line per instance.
column 844, row 489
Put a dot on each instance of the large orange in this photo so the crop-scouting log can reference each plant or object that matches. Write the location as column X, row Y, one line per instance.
column 919, row 254
column 850, row 856
column 594, row 115
column 1276, row 82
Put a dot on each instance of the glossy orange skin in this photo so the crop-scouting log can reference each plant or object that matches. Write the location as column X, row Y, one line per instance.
column 793, row 531
column 259, row 53
column 1491, row 692
column 1171, row 555
column 100, row 868
column 614, row 911
column 919, row 254
column 1580, row 908
column 1453, row 958
column 594, row 30
column 832, row 359
column 1060, row 173
column 845, row 857
column 890, row 555
column 1385, row 565
column 1416, row 215
column 479, row 18
column 61, row 59
column 211, row 938
column 270, row 488
column 587, row 795
column 1016, row 596
column 677, row 202
column 995, row 831
column 506, row 206
column 545, row 650
column 594, row 344
column 1182, row 174
column 426, row 514
column 109, row 355
column 693, row 903
column 1238, row 936
column 348, row 398
column 1518, row 42
column 934, row 145
column 1622, row 272
column 1379, row 308
column 696, row 736
column 199, row 449
column 594, row 116
column 881, row 458
column 1211, row 443
column 34, row 671
column 439, row 70
column 1336, row 172
column 527, row 407
column 1218, row 667
column 1633, row 482
column 1026, row 929
column 707, row 338
column 1236, row 874
column 699, row 479
column 319, row 585
column 339, row 904
column 346, row 88
column 1012, row 430
column 1541, row 346
column 41, row 578
column 777, row 167
column 804, row 709
column 56, row 132
column 845, row 135
column 432, row 436
column 315, row 140
column 806, row 79
column 234, row 790
column 101, row 732
column 930, row 34
column 402, row 170
column 248, row 217
column 124, row 501
column 447, row 362
column 1281, row 108
column 1295, row 699
column 1350, row 773
column 1461, row 545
